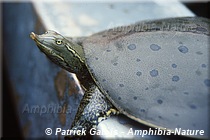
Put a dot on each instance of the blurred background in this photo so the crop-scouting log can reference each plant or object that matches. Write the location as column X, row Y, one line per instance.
column 37, row 94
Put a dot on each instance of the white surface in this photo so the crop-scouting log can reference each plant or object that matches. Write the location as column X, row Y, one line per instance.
column 82, row 19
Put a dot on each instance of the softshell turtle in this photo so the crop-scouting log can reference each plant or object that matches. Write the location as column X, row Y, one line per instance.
column 155, row 72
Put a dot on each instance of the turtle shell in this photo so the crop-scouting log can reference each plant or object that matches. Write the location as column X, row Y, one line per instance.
column 155, row 72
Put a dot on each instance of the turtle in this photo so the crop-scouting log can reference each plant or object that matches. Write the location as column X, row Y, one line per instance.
column 155, row 72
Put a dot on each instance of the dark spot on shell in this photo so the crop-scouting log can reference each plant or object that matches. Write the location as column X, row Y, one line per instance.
column 119, row 98
column 159, row 101
column 198, row 72
column 96, row 58
column 175, row 78
column 132, row 47
column 174, row 65
column 104, row 80
column 199, row 53
column 146, row 88
column 115, row 64
column 135, row 98
column 121, row 85
column 142, row 110
column 203, row 65
column 207, row 82
column 154, row 73
column 192, row 106
column 138, row 60
column 155, row 47
column 183, row 49
column 186, row 93
column 138, row 73
column 160, row 117
column 107, row 91
column 175, row 114
column 91, row 70
column 108, row 50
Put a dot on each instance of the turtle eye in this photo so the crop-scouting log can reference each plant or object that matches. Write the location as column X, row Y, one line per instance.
column 58, row 42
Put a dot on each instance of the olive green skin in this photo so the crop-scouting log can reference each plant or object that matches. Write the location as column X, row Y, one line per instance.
column 94, row 107
column 155, row 72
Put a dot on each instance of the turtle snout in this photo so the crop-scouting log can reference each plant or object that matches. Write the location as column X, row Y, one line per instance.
column 33, row 35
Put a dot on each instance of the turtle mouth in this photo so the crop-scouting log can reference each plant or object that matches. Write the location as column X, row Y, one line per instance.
column 44, row 45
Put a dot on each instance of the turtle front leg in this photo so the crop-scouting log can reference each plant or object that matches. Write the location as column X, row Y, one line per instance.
column 93, row 109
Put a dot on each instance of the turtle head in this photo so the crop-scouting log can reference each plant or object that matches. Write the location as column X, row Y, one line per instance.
column 61, row 51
